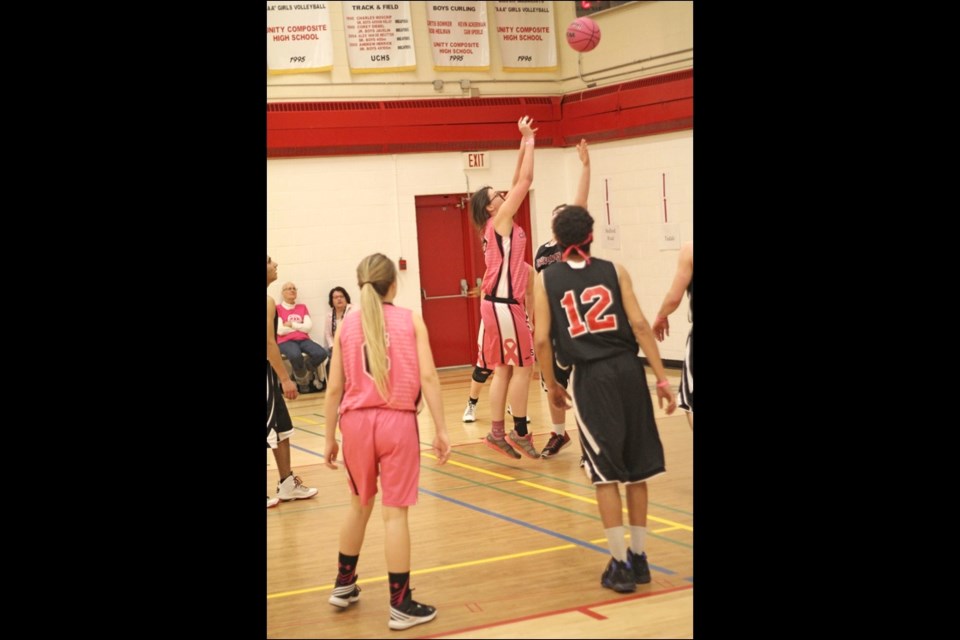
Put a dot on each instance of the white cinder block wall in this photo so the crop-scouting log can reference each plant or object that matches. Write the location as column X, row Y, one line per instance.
column 325, row 214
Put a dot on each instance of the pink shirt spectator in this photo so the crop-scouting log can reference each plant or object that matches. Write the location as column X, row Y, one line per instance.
column 295, row 316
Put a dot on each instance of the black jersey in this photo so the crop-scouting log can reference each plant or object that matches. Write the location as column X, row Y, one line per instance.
column 547, row 255
column 588, row 320
column 690, row 297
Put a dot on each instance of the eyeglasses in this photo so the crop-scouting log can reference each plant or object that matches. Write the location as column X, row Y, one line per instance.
column 289, row 288
column 502, row 194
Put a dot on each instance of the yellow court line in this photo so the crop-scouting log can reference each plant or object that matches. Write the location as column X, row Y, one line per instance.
column 665, row 529
column 472, row 468
column 446, row 567
column 673, row 525
column 307, row 420
column 559, row 492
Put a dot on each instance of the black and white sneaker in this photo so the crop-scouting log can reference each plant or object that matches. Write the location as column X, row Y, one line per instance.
column 410, row 613
column 345, row 595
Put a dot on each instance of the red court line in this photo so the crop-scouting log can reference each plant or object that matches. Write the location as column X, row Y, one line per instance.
column 592, row 614
column 580, row 609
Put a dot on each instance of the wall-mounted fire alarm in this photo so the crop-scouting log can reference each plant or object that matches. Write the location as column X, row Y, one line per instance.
column 403, row 264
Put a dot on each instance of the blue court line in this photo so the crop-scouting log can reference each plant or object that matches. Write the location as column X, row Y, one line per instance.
column 492, row 485
column 565, row 538
column 588, row 545
column 488, row 485
column 530, row 471
column 298, row 448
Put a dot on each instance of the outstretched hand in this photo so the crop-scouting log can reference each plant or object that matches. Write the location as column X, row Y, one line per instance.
column 660, row 326
column 583, row 152
column 524, row 124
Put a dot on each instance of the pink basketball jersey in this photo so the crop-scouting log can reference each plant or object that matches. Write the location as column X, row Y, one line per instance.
column 506, row 274
column 360, row 391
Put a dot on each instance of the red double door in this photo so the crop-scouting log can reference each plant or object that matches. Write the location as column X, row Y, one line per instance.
column 451, row 270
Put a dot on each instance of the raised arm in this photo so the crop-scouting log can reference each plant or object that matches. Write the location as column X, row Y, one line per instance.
column 516, row 170
column 273, row 354
column 644, row 335
column 681, row 280
column 430, row 387
column 503, row 220
column 583, row 187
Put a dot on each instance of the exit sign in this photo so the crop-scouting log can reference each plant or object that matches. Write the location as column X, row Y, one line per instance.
column 476, row 160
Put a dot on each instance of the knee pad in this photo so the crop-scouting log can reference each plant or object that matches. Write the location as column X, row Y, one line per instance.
column 481, row 375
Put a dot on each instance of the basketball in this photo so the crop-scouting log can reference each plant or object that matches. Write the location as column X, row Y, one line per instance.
column 583, row 34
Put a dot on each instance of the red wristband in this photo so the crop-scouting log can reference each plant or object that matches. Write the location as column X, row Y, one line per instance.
column 664, row 384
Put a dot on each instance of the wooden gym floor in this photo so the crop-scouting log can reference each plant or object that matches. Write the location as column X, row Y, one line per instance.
column 502, row 548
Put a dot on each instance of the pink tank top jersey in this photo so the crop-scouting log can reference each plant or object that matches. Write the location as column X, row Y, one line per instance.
column 506, row 274
column 360, row 391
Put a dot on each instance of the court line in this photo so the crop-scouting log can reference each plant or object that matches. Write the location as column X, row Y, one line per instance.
column 531, row 471
column 311, row 452
column 571, row 543
column 562, row 480
column 580, row 609
column 555, row 534
column 559, row 492
column 584, row 609
column 552, row 505
column 418, row 572
column 652, row 532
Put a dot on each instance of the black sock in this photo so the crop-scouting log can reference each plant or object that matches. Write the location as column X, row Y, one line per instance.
column 346, row 569
column 520, row 424
column 472, row 400
column 399, row 587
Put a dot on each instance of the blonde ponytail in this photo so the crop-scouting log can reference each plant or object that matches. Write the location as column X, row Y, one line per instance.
column 375, row 274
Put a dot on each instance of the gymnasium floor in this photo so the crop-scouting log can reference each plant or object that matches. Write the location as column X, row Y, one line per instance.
column 502, row 548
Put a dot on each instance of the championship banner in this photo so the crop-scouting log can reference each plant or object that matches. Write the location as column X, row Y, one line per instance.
column 527, row 35
column 298, row 37
column 459, row 36
column 379, row 37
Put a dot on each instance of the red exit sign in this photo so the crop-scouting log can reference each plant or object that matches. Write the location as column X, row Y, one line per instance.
column 476, row 160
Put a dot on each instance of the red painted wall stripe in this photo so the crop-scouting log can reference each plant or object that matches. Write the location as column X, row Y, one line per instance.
column 629, row 110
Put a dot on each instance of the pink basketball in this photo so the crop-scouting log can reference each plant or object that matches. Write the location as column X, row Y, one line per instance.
column 583, row 34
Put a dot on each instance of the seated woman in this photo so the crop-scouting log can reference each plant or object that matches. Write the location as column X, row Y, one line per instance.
column 339, row 307
column 294, row 340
